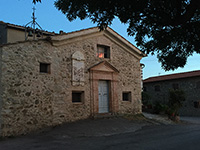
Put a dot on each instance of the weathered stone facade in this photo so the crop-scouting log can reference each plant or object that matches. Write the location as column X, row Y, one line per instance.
column 189, row 84
column 31, row 99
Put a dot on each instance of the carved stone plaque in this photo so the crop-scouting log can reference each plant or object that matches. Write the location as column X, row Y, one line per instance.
column 78, row 68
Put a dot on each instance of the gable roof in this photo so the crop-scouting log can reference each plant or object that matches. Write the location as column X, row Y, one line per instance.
column 173, row 76
column 64, row 38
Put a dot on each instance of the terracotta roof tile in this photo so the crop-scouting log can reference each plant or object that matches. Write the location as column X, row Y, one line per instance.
column 173, row 76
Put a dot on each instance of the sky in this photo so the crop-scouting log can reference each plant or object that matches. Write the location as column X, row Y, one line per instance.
column 19, row 12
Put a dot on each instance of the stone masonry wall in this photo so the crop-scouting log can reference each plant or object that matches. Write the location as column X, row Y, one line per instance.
column 188, row 85
column 129, row 79
column 0, row 87
column 32, row 100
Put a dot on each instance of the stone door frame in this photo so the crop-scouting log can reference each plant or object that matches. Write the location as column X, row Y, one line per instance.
column 103, row 71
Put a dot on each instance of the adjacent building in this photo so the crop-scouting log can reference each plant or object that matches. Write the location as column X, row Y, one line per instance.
column 10, row 33
column 158, row 89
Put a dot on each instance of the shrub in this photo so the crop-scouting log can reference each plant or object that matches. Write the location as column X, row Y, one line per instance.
column 176, row 99
column 145, row 98
column 160, row 108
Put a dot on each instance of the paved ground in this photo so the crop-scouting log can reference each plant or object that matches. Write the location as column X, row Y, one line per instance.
column 110, row 133
column 193, row 120
column 160, row 119
column 70, row 132
column 163, row 119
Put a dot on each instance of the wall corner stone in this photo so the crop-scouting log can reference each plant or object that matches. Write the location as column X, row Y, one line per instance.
column 1, row 90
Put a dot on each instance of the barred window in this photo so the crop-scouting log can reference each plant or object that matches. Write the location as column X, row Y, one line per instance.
column 103, row 51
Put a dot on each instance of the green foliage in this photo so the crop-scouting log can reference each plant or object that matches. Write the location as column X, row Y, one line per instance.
column 145, row 98
column 168, row 28
column 176, row 99
column 160, row 108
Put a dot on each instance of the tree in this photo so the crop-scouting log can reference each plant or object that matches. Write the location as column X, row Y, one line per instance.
column 168, row 28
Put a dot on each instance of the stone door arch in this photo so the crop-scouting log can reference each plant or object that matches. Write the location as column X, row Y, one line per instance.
column 104, row 71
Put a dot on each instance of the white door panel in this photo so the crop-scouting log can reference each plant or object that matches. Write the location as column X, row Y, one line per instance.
column 103, row 97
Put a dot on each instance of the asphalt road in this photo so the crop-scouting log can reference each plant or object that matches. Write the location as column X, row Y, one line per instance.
column 110, row 134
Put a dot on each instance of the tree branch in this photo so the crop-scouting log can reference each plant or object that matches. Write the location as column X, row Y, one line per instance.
column 35, row 1
column 189, row 13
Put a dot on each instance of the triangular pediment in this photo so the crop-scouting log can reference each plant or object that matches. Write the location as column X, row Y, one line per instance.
column 76, row 36
column 104, row 66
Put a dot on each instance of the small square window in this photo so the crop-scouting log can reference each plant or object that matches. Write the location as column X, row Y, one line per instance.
column 103, row 51
column 198, row 85
column 77, row 96
column 196, row 104
column 126, row 96
column 175, row 86
column 44, row 68
column 157, row 88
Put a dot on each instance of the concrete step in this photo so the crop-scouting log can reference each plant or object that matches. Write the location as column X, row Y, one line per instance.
column 103, row 115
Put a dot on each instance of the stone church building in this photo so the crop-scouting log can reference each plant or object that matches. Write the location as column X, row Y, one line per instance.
column 67, row 77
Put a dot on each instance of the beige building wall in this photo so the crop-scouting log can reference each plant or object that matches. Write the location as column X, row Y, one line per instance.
column 10, row 33
column 14, row 35
column 32, row 100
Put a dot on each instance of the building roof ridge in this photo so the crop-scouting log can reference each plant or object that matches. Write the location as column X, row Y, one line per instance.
column 173, row 76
